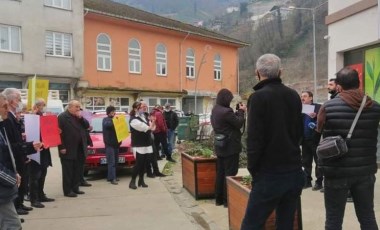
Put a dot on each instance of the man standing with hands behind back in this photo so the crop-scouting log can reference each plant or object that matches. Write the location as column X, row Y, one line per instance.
column 72, row 148
column 274, row 158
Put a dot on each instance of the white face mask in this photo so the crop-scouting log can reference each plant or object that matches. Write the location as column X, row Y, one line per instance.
column 19, row 107
column 44, row 109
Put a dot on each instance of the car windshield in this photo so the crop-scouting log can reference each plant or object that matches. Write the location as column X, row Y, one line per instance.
column 96, row 124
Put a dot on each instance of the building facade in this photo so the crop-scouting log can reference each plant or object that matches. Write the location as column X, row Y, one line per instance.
column 132, row 54
column 354, row 40
column 42, row 38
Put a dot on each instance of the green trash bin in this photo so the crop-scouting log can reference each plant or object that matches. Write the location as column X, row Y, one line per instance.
column 183, row 129
column 187, row 128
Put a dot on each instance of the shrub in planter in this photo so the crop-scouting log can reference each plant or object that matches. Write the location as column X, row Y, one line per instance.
column 238, row 189
column 198, row 169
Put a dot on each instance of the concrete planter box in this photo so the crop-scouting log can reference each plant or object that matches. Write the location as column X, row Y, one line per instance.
column 238, row 194
column 198, row 175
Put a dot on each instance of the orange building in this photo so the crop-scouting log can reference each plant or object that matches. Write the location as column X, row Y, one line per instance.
column 132, row 54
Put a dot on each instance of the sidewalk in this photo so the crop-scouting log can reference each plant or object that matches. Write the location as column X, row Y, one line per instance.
column 164, row 205
column 106, row 206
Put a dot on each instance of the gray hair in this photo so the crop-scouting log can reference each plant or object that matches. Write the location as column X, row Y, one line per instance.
column 40, row 101
column 2, row 96
column 11, row 93
column 268, row 65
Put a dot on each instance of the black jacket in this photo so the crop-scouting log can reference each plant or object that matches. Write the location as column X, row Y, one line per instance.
column 361, row 157
column 73, row 136
column 274, row 128
column 7, row 193
column 109, row 133
column 20, row 148
column 225, row 121
column 171, row 119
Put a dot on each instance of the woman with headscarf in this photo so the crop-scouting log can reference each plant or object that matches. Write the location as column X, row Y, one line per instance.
column 141, row 130
column 227, row 124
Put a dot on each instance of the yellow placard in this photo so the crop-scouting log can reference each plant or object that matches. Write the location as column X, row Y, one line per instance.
column 121, row 127
column 37, row 89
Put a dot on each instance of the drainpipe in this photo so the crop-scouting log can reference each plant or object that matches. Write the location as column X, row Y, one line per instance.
column 180, row 63
column 238, row 72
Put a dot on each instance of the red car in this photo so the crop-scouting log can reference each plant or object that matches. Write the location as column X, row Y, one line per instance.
column 96, row 155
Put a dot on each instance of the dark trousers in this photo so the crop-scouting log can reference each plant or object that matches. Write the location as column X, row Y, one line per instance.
column 225, row 166
column 160, row 138
column 81, row 161
column 308, row 154
column 23, row 172
column 37, row 181
column 362, row 190
column 112, row 154
column 70, row 175
column 270, row 192
column 139, row 167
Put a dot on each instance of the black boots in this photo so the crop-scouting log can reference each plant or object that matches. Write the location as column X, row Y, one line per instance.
column 132, row 184
column 141, row 183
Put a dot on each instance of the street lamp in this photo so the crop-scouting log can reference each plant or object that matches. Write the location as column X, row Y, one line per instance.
column 312, row 10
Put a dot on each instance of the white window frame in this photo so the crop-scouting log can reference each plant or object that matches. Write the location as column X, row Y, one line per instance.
column 58, row 4
column 134, row 57
column 10, row 39
column 118, row 105
column 217, row 67
column 104, row 54
column 55, row 43
column 161, row 60
column 190, row 63
column 92, row 103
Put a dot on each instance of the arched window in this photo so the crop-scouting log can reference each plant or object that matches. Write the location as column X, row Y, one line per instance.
column 217, row 67
column 103, row 45
column 190, row 63
column 161, row 60
column 134, row 54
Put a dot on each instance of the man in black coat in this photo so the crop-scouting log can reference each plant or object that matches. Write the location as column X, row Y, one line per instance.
column 224, row 121
column 274, row 132
column 9, row 179
column 72, row 148
column 20, row 148
column 38, row 170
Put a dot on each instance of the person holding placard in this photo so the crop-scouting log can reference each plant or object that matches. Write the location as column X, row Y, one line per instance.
column 141, row 140
column 111, row 144
column 20, row 148
column 38, row 171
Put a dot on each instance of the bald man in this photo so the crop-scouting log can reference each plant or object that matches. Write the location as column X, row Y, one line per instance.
column 73, row 147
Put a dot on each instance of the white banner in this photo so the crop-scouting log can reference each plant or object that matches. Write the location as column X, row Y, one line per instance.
column 32, row 132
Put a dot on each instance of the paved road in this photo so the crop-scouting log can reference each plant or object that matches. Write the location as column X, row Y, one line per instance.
column 164, row 205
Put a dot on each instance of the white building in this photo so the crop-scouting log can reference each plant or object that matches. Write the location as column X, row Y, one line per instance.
column 42, row 37
column 354, row 40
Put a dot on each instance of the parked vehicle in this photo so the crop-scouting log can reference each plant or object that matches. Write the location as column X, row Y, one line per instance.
column 96, row 158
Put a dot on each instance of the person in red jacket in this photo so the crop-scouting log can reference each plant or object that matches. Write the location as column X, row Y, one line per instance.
column 160, row 133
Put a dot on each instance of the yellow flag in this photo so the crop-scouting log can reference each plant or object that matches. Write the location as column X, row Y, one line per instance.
column 37, row 89
column 121, row 127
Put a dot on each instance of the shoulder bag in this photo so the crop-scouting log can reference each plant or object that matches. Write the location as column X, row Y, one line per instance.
column 336, row 146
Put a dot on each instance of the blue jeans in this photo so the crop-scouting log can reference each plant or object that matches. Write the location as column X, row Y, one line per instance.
column 270, row 192
column 112, row 154
column 171, row 140
column 362, row 190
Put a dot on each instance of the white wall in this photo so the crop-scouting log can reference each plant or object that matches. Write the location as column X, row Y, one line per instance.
column 353, row 32
column 34, row 19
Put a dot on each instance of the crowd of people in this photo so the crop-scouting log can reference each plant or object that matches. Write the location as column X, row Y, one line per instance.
column 23, row 177
column 284, row 129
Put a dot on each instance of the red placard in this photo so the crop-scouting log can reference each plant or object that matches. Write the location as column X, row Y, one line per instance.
column 50, row 131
